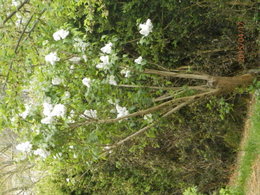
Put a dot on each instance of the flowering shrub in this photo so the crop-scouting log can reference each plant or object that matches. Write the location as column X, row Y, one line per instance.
column 74, row 85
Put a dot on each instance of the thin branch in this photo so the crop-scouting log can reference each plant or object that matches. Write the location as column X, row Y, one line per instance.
column 190, row 100
column 35, row 23
column 21, row 36
column 14, row 12
column 142, row 112
column 201, row 87
column 178, row 75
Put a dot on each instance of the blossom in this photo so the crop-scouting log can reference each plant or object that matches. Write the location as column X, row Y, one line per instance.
column 60, row 34
column 86, row 81
column 139, row 60
column 24, row 147
column 52, row 58
column 126, row 72
column 75, row 59
column 26, row 112
column 80, row 45
column 58, row 110
column 90, row 113
column 112, row 80
column 146, row 28
column 47, row 120
column 107, row 48
column 67, row 94
column 56, row 81
column 40, row 152
column 148, row 117
column 47, row 108
column 15, row 3
column 121, row 111
column 104, row 64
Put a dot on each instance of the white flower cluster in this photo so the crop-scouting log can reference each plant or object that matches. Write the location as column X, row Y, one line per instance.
column 104, row 63
column 15, row 3
column 60, row 34
column 90, row 114
column 148, row 118
column 50, row 111
column 86, row 81
column 26, row 112
column 75, row 59
column 146, row 28
column 80, row 45
column 52, row 58
column 56, row 81
column 126, row 72
column 139, row 60
column 24, row 147
column 121, row 111
column 111, row 80
column 107, row 48
column 40, row 152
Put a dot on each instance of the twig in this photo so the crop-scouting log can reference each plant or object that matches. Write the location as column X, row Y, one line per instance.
column 190, row 100
column 21, row 36
column 14, row 12
column 35, row 23
column 178, row 75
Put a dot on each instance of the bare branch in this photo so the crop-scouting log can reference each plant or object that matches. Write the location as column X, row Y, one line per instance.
column 179, row 75
column 21, row 36
column 188, row 101
column 14, row 12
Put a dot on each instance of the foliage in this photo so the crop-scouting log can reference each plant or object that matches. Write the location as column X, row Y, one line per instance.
column 78, row 159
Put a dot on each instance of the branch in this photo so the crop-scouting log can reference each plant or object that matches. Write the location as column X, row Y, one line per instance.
column 201, row 87
column 179, row 75
column 14, row 12
column 190, row 100
column 21, row 36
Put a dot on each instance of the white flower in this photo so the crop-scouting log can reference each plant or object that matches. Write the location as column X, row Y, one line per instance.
column 104, row 64
column 90, row 113
column 67, row 94
column 56, row 81
column 148, row 118
column 71, row 147
column 121, row 111
column 80, row 45
column 146, row 28
column 112, row 80
column 40, row 152
column 126, row 72
column 15, row 3
column 75, row 59
column 47, row 108
column 24, row 147
column 60, row 34
column 86, row 82
column 58, row 110
column 26, row 112
column 47, row 120
column 45, row 42
column 67, row 180
column 52, row 58
column 107, row 48
column 139, row 60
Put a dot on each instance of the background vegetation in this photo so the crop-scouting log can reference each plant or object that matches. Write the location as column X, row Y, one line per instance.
column 195, row 147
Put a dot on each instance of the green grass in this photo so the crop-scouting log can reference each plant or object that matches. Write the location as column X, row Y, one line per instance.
column 251, row 148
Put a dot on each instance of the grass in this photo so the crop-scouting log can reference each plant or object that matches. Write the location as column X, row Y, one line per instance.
column 251, row 149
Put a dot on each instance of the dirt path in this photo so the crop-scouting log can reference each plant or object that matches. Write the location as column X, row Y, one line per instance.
column 253, row 183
